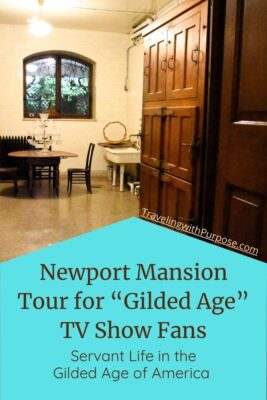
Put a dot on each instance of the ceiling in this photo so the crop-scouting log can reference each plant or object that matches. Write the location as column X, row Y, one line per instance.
column 101, row 15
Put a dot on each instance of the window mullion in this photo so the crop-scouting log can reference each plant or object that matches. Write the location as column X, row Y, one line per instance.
column 58, row 84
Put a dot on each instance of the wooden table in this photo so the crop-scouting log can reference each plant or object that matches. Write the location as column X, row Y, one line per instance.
column 43, row 158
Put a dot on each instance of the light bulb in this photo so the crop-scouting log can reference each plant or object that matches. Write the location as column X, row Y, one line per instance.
column 40, row 28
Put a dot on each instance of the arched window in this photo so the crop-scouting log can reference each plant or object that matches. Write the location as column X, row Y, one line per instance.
column 59, row 83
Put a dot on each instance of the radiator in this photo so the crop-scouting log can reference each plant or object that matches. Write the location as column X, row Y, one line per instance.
column 14, row 143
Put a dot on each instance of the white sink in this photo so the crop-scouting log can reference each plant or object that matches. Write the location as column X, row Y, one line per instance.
column 128, row 155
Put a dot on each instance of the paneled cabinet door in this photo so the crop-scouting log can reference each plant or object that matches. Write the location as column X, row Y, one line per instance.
column 151, row 136
column 155, row 66
column 241, row 189
column 180, row 145
column 150, row 186
column 184, row 57
column 176, row 199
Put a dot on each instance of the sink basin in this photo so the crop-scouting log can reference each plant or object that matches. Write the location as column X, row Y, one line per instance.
column 128, row 155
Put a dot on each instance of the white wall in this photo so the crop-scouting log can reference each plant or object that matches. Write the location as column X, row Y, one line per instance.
column 108, row 50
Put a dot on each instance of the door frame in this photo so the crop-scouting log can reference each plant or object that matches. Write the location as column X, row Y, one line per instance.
column 212, row 110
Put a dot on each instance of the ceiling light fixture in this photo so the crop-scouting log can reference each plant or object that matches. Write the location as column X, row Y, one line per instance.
column 37, row 26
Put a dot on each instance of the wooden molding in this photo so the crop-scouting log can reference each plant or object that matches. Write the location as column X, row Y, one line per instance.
column 179, row 10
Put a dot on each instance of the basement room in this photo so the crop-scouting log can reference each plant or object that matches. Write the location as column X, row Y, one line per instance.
column 112, row 109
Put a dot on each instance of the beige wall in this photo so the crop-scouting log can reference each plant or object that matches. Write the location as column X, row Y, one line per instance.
column 108, row 50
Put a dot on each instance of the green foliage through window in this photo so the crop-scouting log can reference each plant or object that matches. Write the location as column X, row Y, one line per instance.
column 59, row 84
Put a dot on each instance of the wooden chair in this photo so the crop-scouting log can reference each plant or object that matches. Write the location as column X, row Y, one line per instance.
column 10, row 173
column 82, row 175
column 42, row 172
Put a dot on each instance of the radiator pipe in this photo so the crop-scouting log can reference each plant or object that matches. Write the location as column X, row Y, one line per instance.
column 127, row 68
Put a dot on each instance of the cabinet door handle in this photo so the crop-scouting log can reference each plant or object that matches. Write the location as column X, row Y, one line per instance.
column 165, row 179
column 168, row 167
column 155, row 174
column 163, row 65
column 147, row 71
column 171, row 63
column 195, row 55
column 193, row 145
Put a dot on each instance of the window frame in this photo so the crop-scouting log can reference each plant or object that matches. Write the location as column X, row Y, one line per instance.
column 59, row 55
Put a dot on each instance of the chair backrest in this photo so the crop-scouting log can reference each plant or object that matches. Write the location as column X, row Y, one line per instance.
column 32, row 147
column 89, row 156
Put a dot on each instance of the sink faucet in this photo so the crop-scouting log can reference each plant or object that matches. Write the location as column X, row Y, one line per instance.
column 138, row 141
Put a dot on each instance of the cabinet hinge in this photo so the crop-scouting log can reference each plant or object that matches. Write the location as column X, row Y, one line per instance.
column 167, row 113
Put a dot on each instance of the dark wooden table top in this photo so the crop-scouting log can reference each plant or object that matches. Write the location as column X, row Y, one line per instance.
column 41, row 154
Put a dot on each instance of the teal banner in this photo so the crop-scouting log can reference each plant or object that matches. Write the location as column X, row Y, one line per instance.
column 133, row 311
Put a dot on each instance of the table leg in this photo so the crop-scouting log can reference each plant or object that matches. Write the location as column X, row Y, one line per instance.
column 122, row 169
column 54, row 177
column 31, row 180
column 114, row 174
column 56, row 173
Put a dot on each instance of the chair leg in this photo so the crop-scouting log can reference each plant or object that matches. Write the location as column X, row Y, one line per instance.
column 88, row 182
column 87, row 179
column 69, row 177
column 70, row 189
column 15, row 185
column 49, row 174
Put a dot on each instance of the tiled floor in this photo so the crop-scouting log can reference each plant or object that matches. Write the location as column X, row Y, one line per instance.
column 28, row 224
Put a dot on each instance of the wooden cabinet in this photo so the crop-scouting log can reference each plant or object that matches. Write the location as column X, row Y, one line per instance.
column 180, row 143
column 183, row 56
column 171, row 59
column 155, row 66
column 176, row 199
column 174, row 83
column 170, row 139
column 151, row 136
column 225, row 191
column 149, row 198
column 166, row 195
